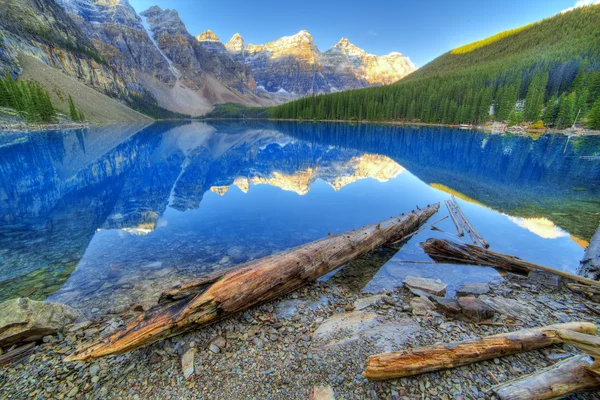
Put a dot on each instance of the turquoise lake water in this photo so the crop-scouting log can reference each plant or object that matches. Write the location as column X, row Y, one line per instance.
column 107, row 216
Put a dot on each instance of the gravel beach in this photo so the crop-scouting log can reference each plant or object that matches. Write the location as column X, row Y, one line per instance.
column 318, row 336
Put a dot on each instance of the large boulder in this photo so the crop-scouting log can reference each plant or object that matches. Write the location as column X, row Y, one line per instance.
column 24, row 320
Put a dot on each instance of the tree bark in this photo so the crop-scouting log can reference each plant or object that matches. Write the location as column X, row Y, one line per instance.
column 443, row 356
column 561, row 379
column 445, row 251
column 252, row 283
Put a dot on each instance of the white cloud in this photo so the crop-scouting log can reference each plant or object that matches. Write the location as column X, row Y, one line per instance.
column 581, row 3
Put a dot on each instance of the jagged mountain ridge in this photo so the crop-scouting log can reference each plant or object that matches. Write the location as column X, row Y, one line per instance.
column 150, row 61
column 294, row 64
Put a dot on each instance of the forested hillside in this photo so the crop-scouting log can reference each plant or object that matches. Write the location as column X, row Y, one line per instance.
column 549, row 71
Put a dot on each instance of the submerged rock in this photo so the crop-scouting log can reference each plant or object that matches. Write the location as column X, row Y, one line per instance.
column 25, row 320
column 433, row 286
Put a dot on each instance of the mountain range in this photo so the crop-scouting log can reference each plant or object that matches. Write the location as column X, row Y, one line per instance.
column 150, row 61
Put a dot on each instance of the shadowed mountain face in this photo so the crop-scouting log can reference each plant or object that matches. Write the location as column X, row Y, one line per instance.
column 140, row 208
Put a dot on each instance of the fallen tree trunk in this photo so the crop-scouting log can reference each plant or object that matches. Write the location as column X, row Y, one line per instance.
column 590, row 265
column 445, row 251
column 459, row 229
column 561, row 379
column 252, row 283
column 475, row 236
column 443, row 356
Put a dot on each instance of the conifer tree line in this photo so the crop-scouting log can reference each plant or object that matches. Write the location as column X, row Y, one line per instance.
column 32, row 101
column 28, row 98
column 548, row 71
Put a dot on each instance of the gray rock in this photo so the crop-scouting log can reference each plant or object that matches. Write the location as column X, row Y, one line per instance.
column 473, row 289
column 433, row 286
column 447, row 306
column 511, row 307
column 24, row 320
column 474, row 308
column 214, row 348
column 421, row 305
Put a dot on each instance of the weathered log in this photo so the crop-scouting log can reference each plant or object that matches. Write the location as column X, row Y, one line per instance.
column 16, row 354
column 443, row 356
column 590, row 265
column 591, row 293
column 459, row 228
column 445, row 251
column 561, row 379
column 253, row 283
column 588, row 343
column 475, row 236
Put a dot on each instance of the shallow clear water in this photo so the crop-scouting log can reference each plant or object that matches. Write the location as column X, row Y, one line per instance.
column 107, row 216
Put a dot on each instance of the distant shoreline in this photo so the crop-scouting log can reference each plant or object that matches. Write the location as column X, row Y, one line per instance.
column 517, row 130
column 520, row 130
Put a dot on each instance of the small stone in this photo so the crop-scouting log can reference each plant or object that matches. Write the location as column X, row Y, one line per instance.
column 94, row 369
column 321, row 393
column 214, row 348
column 73, row 391
column 187, row 362
column 95, row 379
column 219, row 341
column 433, row 286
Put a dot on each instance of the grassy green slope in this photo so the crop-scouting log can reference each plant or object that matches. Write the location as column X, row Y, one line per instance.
column 553, row 65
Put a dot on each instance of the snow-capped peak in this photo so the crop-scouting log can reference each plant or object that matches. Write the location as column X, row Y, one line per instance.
column 207, row 36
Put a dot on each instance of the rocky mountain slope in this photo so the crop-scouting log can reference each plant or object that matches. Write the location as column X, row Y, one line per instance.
column 153, row 64
column 294, row 65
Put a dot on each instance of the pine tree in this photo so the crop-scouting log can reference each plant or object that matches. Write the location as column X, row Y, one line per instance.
column 4, row 100
column 593, row 121
column 515, row 118
column 73, row 110
column 566, row 113
column 534, row 100
column 551, row 112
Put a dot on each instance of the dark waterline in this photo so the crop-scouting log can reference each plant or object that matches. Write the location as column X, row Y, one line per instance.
column 107, row 216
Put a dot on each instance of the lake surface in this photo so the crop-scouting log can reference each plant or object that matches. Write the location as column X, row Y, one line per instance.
column 106, row 216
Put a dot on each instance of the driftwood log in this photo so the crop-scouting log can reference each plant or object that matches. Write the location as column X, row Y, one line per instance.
column 590, row 265
column 252, row 283
column 459, row 229
column 443, row 356
column 445, row 251
column 561, row 379
column 462, row 219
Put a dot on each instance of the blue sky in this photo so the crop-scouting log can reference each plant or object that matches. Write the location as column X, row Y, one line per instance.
column 421, row 30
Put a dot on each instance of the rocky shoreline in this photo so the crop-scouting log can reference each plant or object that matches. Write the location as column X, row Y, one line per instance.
column 45, row 127
column 316, row 337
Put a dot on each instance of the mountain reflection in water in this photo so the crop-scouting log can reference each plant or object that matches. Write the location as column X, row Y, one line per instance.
column 112, row 215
